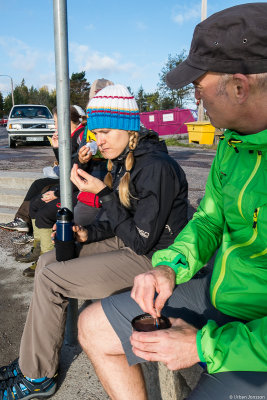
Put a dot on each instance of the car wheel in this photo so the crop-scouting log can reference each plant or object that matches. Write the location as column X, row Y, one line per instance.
column 12, row 143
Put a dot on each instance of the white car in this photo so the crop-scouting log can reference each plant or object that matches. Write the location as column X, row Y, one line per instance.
column 29, row 123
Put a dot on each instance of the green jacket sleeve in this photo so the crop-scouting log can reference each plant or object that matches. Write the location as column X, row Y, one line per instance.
column 202, row 236
column 235, row 346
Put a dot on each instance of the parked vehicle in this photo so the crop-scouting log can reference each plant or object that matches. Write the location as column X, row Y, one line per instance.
column 29, row 123
column 3, row 120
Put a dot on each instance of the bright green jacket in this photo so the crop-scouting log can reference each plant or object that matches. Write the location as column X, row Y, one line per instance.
column 232, row 217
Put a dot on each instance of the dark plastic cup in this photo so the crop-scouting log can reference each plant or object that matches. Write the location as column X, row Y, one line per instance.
column 146, row 323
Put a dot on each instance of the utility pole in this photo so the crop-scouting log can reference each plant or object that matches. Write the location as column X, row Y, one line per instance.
column 12, row 91
column 63, row 114
column 203, row 16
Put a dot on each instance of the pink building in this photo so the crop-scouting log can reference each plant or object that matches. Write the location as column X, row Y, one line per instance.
column 167, row 122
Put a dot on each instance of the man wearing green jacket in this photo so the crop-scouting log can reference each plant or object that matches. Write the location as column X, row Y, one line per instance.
column 220, row 318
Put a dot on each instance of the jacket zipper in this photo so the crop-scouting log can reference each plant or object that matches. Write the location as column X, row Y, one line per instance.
column 229, row 251
column 239, row 202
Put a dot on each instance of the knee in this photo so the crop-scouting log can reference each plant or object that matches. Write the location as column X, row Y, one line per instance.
column 95, row 333
column 89, row 324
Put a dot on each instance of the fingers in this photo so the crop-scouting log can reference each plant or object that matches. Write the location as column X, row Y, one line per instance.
column 143, row 292
column 83, row 154
column 76, row 178
column 146, row 338
column 80, row 233
column 161, row 299
column 77, row 228
column 160, row 280
column 82, row 173
column 147, row 345
column 53, row 234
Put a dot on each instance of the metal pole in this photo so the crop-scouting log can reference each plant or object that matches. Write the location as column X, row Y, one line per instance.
column 203, row 10
column 200, row 116
column 63, row 115
column 12, row 91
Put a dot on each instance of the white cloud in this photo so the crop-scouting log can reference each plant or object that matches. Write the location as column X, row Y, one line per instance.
column 89, row 60
column 24, row 61
column 185, row 14
column 5, row 88
column 21, row 56
column 48, row 80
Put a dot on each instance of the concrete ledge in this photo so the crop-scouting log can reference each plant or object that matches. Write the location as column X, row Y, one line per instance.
column 11, row 196
column 18, row 179
column 163, row 384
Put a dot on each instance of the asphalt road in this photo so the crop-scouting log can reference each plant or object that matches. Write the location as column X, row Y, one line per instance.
column 23, row 157
column 77, row 377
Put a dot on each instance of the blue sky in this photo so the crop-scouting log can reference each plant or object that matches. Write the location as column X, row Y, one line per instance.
column 127, row 42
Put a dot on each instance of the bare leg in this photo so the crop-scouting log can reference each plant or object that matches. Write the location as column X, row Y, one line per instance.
column 105, row 351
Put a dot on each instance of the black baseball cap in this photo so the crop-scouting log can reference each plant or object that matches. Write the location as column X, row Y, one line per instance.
column 230, row 41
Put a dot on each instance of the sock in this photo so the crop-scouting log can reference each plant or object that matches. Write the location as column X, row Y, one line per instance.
column 39, row 380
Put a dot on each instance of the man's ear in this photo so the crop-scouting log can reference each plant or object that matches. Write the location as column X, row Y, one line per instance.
column 241, row 87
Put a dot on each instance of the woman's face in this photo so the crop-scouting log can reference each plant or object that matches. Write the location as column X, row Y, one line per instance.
column 111, row 142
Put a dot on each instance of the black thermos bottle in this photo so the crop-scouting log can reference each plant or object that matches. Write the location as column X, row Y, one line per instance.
column 64, row 225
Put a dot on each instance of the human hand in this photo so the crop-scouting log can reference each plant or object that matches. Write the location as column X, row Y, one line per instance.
column 85, row 182
column 54, row 232
column 161, row 280
column 48, row 196
column 176, row 347
column 83, row 155
column 55, row 139
column 80, row 233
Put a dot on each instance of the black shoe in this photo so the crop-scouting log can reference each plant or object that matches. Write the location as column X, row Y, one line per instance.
column 16, row 225
column 10, row 371
column 23, row 239
column 30, row 271
column 32, row 256
column 21, row 388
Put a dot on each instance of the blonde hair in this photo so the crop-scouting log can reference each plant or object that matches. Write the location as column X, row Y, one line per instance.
column 124, row 191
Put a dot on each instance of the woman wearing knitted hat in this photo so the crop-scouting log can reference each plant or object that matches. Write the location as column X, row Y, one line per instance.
column 144, row 205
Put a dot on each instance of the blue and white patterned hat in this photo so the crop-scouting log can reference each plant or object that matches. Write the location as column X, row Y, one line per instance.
column 113, row 108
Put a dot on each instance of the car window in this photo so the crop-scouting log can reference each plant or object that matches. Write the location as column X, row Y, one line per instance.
column 30, row 112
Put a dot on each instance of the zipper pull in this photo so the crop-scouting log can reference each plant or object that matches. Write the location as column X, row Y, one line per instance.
column 255, row 218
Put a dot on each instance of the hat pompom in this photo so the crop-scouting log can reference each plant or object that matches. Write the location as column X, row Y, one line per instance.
column 113, row 108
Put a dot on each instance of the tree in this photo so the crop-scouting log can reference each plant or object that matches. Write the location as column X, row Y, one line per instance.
column 153, row 101
column 171, row 98
column 141, row 100
column 21, row 93
column 79, row 89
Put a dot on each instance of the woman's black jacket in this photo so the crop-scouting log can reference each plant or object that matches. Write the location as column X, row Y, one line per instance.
column 158, row 210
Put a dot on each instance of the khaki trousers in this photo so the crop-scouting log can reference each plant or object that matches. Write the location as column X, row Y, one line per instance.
column 101, row 269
